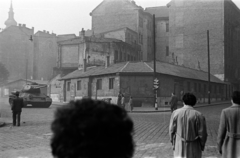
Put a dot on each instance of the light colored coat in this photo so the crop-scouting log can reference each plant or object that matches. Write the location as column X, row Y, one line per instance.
column 188, row 132
column 228, row 139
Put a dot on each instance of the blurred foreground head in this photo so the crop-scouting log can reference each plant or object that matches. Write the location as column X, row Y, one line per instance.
column 92, row 129
column 236, row 97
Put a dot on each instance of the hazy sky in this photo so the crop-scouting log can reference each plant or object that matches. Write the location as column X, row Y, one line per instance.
column 59, row 16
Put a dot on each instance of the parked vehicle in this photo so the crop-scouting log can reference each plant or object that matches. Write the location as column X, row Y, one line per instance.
column 32, row 96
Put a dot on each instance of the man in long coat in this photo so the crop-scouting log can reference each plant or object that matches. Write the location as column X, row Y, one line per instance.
column 187, row 130
column 228, row 140
column 17, row 106
column 173, row 102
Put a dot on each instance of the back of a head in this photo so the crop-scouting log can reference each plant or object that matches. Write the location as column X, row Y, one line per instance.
column 189, row 99
column 17, row 94
column 236, row 97
column 92, row 129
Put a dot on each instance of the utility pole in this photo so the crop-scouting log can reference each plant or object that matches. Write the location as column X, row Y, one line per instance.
column 156, row 81
column 209, row 84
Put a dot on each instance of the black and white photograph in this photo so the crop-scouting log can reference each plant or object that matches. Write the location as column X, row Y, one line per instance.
column 119, row 79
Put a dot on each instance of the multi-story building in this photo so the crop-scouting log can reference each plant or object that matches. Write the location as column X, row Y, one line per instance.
column 28, row 55
column 188, row 25
column 116, row 14
column 161, row 32
column 86, row 51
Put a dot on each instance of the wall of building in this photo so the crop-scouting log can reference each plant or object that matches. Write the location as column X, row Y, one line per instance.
column 16, row 51
column 162, row 41
column 231, row 42
column 189, row 22
column 112, row 15
column 45, row 55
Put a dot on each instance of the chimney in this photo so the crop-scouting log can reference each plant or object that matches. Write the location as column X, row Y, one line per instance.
column 19, row 24
column 24, row 25
column 84, row 65
column 107, row 63
column 82, row 33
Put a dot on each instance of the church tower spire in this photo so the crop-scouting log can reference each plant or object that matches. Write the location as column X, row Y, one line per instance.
column 10, row 21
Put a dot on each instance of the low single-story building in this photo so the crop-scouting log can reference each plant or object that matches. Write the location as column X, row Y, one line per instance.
column 136, row 79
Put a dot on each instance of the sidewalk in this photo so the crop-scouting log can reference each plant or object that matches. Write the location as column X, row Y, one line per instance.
column 162, row 108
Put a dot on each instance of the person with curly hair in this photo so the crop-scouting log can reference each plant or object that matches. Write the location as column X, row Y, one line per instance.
column 188, row 130
column 92, row 129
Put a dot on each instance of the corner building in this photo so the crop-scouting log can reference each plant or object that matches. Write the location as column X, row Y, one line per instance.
column 189, row 22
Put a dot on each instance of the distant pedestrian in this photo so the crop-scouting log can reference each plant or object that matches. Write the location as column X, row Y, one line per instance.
column 119, row 99
column 187, row 130
column 228, row 140
column 123, row 101
column 131, row 104
column 173, row 102
column 17, row 106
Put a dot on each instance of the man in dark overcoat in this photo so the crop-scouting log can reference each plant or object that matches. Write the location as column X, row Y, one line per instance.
column 17, row 106
column 173, row 102
column 228, row 140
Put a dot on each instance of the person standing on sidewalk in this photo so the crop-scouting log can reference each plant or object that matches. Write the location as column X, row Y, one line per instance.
column 123, row 101
column 119, row 99
column 131, row 104
column 228, row 139
column 17, row 106
column 173, row 102
column 188, row 130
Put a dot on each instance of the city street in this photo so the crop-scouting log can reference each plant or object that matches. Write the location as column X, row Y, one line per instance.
column 32, row 139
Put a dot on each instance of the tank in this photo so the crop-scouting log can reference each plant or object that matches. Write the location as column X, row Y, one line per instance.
column 33, row 96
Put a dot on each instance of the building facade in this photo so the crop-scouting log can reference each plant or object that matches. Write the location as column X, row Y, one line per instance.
column 188, row 41
column 136, row 79
column 116, row 14
column 86, row 51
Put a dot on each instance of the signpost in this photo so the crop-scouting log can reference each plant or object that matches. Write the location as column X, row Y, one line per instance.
column 155, row 87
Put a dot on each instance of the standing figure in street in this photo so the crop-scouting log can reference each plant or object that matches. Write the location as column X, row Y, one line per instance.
column 17, row 106
column 119, row 99
column 173, row 102
column 188, row 130
column 131, row 104
column 228, row 140
column 123, row 101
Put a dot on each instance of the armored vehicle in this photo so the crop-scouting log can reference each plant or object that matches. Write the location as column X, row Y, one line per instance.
column 32, row 96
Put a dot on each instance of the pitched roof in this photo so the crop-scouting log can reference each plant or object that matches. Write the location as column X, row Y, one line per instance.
column 160, row 12
column 143, row 67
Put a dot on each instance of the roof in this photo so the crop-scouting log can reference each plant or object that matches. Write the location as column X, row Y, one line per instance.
column 160, row 12
column 31, row 81
column 143, row 67
column 92, row 39
column 124, row 28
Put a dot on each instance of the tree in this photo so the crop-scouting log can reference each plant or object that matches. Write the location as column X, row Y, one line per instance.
column 4, row 74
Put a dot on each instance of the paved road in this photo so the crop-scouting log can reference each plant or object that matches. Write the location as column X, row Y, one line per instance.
column 32, row 139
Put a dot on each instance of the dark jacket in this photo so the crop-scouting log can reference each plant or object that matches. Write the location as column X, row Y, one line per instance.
column 17, row 104
column 174, row 102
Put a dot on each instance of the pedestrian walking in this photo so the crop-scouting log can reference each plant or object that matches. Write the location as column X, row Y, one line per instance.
column 228, row 139
column 92, row 129
column 131, row 104
column 123, row 101
column 173, row 102
column 187, row 130
column 17, row 106
column 119, row 99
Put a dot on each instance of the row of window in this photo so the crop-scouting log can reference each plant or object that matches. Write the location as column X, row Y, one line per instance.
column 98, row 84
column 198, row 88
